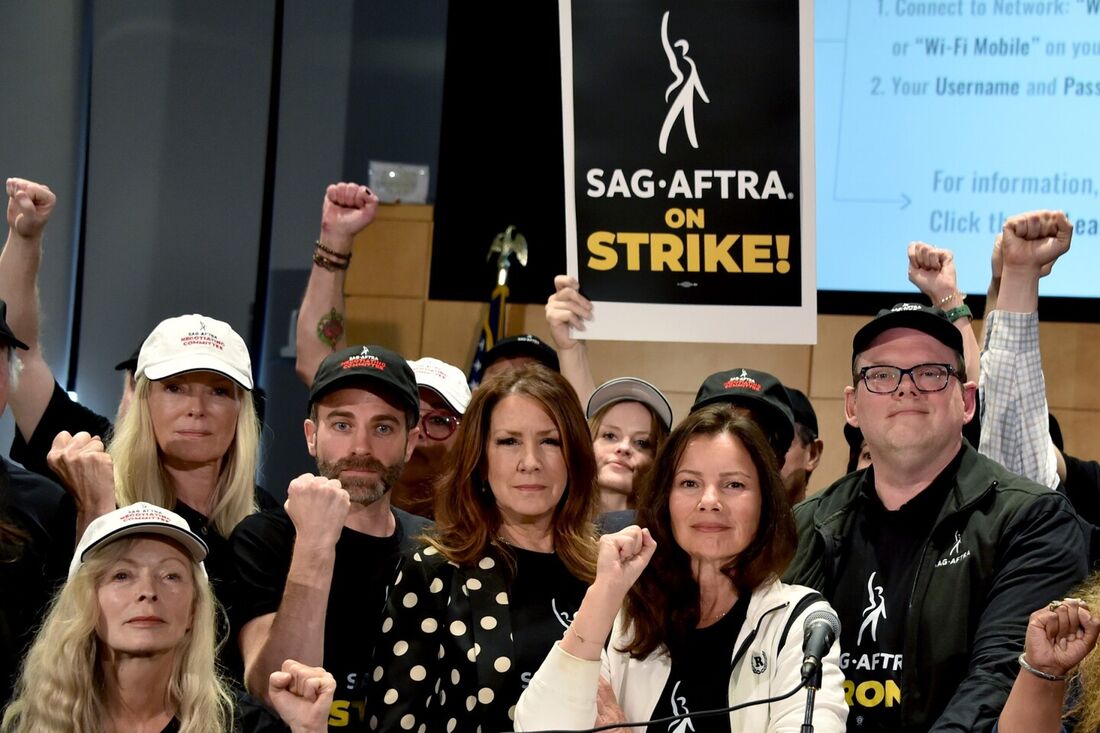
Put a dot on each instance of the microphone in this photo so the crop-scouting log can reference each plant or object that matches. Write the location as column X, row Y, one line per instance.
column 821, row 629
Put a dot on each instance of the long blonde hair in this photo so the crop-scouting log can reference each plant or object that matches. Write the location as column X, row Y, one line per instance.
column 61, row 686
column 1087, row 677
column 140, row 476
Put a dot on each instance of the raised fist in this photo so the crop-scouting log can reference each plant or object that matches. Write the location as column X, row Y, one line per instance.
column 1059, row 636
column 302, row 696
column 29, row 206
column 85, row 469
column 347, row 210
column 318, row 507
column 1034, row 241
column 623, row 556
column 933, row 271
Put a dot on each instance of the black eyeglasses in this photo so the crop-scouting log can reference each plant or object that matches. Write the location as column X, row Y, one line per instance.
column 885, row 379
column 438, row 425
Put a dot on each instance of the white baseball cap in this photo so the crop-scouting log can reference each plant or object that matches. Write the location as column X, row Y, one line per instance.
column 139, row 518
column 633, row 389
column 195, row 343
column 445, row 380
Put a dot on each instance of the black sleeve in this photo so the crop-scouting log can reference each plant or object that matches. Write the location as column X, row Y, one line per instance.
column 61, row 414
column 252, row 716
column 1082, row 488
column 1041, row 556
column 262, row 545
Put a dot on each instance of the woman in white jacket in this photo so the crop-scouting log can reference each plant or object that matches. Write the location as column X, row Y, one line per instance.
column 704, row 622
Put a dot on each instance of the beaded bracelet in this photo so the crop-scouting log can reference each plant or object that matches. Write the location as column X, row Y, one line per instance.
column 346, row 256
column 332, row 266
column 943, row 301
column 1040, row 673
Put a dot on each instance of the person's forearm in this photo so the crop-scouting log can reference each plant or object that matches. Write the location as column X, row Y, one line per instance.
column 19, row 264
column 1033, row 706
column 1019, row 292
column 577, row 371
column 320, row 327
column 298, row 630
column 592, row 622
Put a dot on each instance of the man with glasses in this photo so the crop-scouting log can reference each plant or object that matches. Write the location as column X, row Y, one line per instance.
column 935, row 556
column 444, row 395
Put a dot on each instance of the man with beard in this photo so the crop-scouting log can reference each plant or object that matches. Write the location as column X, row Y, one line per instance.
column 314, row 576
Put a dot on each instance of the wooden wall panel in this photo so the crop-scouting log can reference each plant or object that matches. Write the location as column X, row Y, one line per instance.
column 387, row 287
column 395, row 323
column 392, row 256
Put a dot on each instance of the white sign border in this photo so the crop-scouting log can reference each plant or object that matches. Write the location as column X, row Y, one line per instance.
column 703, row 323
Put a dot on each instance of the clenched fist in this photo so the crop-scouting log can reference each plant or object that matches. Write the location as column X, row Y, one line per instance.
column 318, row 507
column 85, row 469
column 29, row 206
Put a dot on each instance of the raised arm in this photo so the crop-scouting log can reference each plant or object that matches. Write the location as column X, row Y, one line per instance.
column 563, row 692
column 932, row 269
column 318, row 508
column 347, row 209
column 567, row 309
column 1015, row 420
column 29, row 207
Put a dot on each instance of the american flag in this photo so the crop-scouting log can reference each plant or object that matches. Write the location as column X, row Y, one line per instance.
column 492, row 330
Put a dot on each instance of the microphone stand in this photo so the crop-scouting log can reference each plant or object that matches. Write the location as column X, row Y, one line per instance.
column 813, row 684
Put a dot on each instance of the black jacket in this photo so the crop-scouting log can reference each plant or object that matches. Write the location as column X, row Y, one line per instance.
column 1022, row 545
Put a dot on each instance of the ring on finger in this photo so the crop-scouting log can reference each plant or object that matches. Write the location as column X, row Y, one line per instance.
column 1054, row 605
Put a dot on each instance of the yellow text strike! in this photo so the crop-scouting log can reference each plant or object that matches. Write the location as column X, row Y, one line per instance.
column 661, row 251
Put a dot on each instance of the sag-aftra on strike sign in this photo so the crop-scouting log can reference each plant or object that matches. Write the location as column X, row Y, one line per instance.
column 689, row 177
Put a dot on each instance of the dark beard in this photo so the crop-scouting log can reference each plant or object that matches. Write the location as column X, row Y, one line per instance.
column 363, row 490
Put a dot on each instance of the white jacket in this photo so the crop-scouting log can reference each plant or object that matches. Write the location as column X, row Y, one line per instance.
column 562, row 694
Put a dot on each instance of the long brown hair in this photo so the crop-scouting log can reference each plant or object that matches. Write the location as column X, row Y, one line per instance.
column 467, row 520
column 657, row 431
column 663, row 606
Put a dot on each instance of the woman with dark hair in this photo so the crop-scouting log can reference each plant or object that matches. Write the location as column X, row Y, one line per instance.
column 704, row 621
column 475, row 610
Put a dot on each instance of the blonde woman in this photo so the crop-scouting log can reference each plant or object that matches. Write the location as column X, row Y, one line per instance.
column 135, row 627
column 189, row 442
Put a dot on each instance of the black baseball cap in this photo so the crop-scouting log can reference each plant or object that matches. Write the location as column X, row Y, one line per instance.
column 130, row 362
column 5, row 332
column 853, row 436
column 803, row 409
column 923, row 318
column 761, row 392
column 523, row 345
column 370, row 366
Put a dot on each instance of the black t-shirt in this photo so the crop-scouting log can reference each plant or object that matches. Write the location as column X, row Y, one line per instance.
column 872, row 596
column 699, row 678
column 543, row 598
column 62, row 413
column 33, row 562
column 222, row 571
column 249, row 716
column 365, row 566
